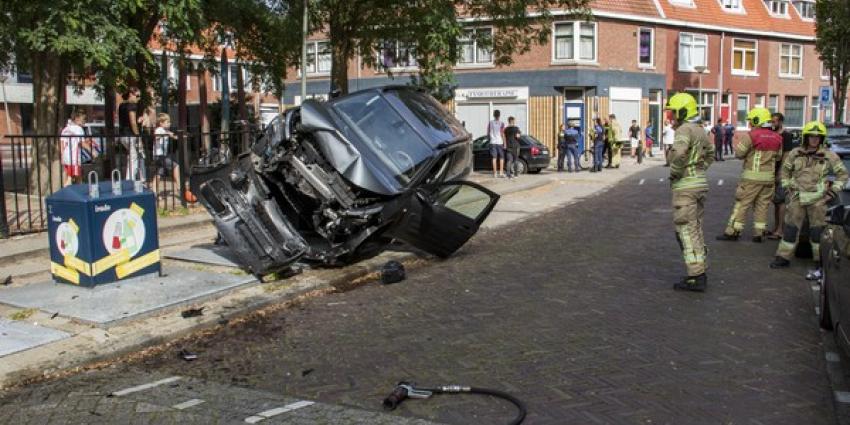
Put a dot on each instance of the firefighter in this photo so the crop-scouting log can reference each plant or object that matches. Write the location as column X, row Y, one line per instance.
column 761, row 149
column 691, row 155
column 804, row 175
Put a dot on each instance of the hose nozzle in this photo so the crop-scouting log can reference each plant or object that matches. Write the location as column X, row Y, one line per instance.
column 402, row 391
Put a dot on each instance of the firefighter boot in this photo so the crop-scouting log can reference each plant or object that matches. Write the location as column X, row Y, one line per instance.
column 730, row 238
column 692, row 283
column 779, row 263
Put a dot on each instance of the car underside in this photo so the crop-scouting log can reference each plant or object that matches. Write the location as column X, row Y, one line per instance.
column 334, row 182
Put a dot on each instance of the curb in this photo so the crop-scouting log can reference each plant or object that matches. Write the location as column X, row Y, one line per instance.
column 93, row 348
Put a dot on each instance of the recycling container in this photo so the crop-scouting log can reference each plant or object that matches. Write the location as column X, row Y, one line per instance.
column 102, row 232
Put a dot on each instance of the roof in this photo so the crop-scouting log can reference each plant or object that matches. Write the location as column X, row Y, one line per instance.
column 755, row 16
column 631, row 7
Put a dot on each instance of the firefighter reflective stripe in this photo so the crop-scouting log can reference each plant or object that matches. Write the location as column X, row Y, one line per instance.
column 808, row 198
column 755, row 175
column 691, row 182
column 758, row 225
column 816, row 251
column 65, row 273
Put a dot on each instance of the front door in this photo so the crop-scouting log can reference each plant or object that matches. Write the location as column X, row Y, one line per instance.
column 440, row 219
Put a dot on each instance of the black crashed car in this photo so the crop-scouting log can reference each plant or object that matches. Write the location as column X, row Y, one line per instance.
column 533, row 155
column 334, row 182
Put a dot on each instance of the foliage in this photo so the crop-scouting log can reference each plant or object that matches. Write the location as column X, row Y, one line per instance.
column 832, row 35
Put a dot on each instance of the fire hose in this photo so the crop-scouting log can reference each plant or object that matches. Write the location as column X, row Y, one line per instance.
column 405, row 390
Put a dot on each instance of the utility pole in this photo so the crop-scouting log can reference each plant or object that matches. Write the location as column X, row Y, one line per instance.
column 304, row 29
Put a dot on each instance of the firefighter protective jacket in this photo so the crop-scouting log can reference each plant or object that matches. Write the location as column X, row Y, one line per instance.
column 761, row 149
column 690, row 157
column 805, row 174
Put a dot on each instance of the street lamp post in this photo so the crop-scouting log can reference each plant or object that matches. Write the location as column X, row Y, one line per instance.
column 700, row 69
column 304, row 29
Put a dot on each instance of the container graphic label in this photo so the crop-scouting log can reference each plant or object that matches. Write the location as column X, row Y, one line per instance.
column 124, row 230
column 66, row 239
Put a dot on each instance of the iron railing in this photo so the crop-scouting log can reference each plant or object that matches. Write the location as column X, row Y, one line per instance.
column 31, row 169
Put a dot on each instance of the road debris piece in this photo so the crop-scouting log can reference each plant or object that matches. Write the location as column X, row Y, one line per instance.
column 392, row 272
column 192, row 312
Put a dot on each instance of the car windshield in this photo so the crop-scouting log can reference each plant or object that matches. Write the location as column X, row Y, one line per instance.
column 432, row 119
column 389, row 137
column 532, row 140
column 836, row 132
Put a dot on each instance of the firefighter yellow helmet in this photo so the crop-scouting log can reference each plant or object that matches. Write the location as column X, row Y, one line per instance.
column 683, row 105
column 814, row 128
column 758, row 116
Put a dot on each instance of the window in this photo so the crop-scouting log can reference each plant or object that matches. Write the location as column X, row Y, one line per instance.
column 732, row 5
column 575, row 41
column 773, row 103
column 471, row 53
column 646, row 47
column 794, row 110
column 791, row 60
column 824, row 72
column 744, row 56
column 174, row 72
column 322, row 64
column 815, row 105
column 741, row 108
column 760, row 100
column 231, row 78
column 778, row 7
column 395, row 54
column 693, row 51
column 806, row 9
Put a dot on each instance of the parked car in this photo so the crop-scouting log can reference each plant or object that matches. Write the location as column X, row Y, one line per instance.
column 835, row 291
column 533, row 155
column 838, row 140
column 337, row 181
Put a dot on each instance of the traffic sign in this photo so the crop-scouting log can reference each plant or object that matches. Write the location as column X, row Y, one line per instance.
column 826, row 95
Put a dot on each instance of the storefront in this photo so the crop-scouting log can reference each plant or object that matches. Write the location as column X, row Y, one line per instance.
column 474, row 107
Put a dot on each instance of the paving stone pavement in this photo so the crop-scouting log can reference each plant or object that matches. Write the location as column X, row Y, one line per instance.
column 571, row 311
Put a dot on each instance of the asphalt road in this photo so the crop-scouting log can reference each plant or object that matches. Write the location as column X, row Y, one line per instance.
column 571, row 311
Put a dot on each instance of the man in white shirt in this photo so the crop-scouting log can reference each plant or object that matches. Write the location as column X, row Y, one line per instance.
column 669, row 134
column 72, row 143
column 496, row 132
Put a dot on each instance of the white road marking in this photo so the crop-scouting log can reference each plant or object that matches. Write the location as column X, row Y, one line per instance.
column 277, row 411
column 842, row 396
column 833, row 357
column 187, row 404
column 720, row 182
column 145, row 386
column 641, row 181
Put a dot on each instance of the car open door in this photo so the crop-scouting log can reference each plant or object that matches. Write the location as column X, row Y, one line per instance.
column 440, row 219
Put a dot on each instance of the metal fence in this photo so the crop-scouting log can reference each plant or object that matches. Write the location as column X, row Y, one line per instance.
column 31, row 169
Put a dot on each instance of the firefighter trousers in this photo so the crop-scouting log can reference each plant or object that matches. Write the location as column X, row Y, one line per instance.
column 688, row 208
column 795, row 215
column 616, row 154
column 755, row 195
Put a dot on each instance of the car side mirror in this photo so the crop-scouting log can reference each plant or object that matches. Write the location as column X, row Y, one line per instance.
column 837, row 215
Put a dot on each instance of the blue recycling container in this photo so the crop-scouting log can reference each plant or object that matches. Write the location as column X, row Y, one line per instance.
column 102, row 237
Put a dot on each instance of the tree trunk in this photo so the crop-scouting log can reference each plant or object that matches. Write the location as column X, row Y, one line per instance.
column 182, row 111
column 340, row 54
column 840, row 94
column 240, row 94
column 202, row 107
column 48, row 80
column 109, row 124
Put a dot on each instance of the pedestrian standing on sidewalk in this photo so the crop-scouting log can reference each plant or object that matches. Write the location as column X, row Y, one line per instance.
column 780, row 194
column 72, row 137
column 164, row 160
column 615, row 140
column 649, row 137
column 571, row 136
column 729, row 139
column 667, row 137
column 606, row 126
column 634, row 140
column 598, row 135
column 690, row 157
column 760, row 149
column 512, row 134
column 130, row 140
column 496, row 132
column 719, row 134
column 562, row 147
column 804, row 176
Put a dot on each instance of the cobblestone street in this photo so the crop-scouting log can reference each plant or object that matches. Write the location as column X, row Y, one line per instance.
column 571, row 311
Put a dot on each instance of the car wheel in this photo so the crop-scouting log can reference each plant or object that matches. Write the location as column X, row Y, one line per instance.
column 825, row 318
column 521, row 167
column 535, row 171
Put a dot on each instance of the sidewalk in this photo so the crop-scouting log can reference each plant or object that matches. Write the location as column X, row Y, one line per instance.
column 49, row 329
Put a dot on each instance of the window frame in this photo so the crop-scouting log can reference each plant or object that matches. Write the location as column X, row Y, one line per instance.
column 802, row 114
column 755, row 51
column 576, row 43
column 737, row 9
column 174, row 71
column 773, row 103
column 231, row 66
column 476, row 63
column 769, row 5
column 693, row 36
column 810, row 4
column 746, row 109
column 782, row 73
column 315, row 45
column 380, row 66
column 651, row 63
column 824, row 73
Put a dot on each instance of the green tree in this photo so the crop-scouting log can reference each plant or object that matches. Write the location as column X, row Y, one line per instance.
column 832, row 36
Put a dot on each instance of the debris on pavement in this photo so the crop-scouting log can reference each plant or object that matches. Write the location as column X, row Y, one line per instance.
column 392, row 272
column 54, row 315
column 187, row 355
column 7, row 281
column 192, row 312
column 307, row 372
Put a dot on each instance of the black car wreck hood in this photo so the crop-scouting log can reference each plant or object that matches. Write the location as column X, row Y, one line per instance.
column 352, row 134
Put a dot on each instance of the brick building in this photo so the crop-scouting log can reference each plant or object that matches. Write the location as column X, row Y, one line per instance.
column 634, row 54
